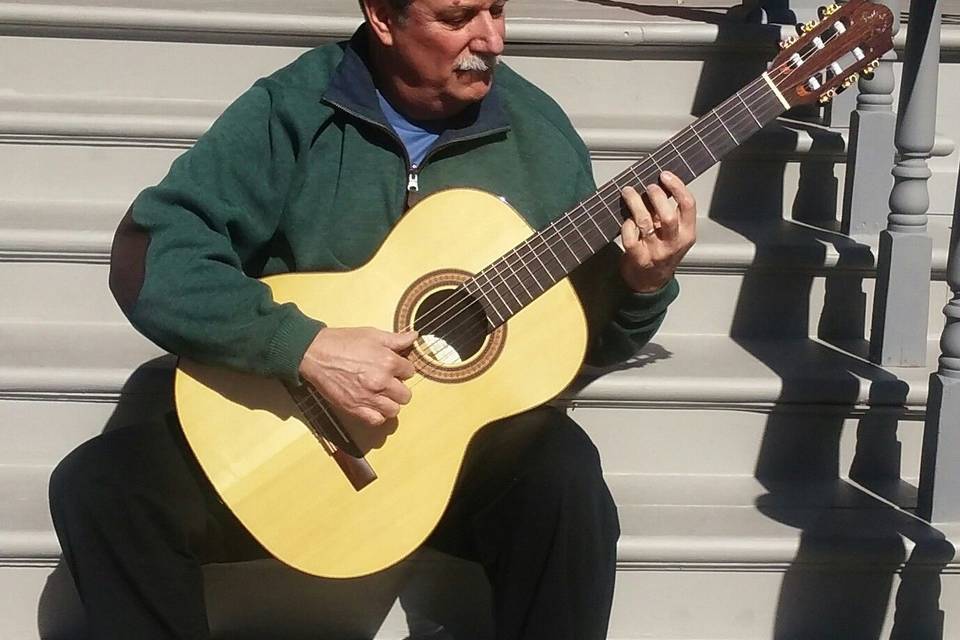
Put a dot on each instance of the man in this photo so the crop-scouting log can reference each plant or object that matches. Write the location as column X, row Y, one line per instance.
column 308, row 170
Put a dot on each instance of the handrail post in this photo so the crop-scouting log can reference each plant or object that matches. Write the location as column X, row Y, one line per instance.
column 898, row 335
column 870, row 154
column 939, row 492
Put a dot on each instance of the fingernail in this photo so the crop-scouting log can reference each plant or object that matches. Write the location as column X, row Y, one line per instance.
column 668, row 175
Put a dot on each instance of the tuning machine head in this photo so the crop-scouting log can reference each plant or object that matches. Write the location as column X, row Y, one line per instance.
column 850, row 81
column 828, row 10
column 788, row 42
column 870, row 69
column 807, row 27
column 827, row 96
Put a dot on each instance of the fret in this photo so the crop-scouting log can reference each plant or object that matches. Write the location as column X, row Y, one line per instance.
column 617, row 219
column 748, row 109
column 485, row 297
column 724, row 125
column 493, row 286
column 697, row 133
column 523, row 261
column 682, row 170
column 680, row 155
column 557, row 233
column 576, row 227
column 653, row 158
column 546, row 243
column 503, row 280
column 530, row 296
column 591, row 217
column 542, row 263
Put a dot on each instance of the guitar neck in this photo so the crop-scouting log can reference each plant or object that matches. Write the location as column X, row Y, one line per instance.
column 529, row 269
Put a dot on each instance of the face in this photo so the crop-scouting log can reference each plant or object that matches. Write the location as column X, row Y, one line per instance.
column 442, row 52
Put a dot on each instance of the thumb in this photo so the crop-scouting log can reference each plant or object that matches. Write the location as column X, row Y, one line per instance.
column 400, row 341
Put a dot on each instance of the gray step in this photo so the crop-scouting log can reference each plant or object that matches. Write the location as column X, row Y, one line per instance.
column 699, row 557
column 760, row 279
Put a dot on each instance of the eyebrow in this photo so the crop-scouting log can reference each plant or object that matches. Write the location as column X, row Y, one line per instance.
column 470, row 5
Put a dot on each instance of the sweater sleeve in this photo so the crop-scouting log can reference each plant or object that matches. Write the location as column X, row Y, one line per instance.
column 180, row 260
column 620, row 321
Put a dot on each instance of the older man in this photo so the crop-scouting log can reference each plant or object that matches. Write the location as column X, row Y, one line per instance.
column 309, row 170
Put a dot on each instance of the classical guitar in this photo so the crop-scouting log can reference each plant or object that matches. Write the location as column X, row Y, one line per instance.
column 333, row 497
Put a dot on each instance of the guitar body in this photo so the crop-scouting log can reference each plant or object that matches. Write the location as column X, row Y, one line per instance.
column 277, row 476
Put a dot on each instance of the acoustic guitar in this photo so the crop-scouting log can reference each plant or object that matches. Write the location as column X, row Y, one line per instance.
column 500, row 331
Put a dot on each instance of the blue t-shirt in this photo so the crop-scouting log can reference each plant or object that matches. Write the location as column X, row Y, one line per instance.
column 416, row 136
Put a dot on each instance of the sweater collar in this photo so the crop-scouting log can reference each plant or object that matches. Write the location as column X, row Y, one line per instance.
column 351, row 89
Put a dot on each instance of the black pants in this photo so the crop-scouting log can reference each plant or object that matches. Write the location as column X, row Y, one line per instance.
column 136, row 519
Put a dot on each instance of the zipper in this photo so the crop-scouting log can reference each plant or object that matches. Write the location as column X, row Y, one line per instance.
column 413, row 171
column 413, row 179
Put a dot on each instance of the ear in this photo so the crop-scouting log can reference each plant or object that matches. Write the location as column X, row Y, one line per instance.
column 383, row 20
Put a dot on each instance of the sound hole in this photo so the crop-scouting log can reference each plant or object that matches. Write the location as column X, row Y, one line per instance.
column 452, row 326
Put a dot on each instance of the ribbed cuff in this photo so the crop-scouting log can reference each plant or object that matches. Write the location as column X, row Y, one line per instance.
column 288, row 345
column 640, row 308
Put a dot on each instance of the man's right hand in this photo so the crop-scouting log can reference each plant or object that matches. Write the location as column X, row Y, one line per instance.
column 360, row 370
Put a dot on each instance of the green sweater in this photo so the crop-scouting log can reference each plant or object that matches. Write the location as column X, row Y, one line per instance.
column 303, row 173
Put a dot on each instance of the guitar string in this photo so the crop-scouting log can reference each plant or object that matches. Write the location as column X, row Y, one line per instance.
column 573, row 221
column 589, row 210
column 548, row 237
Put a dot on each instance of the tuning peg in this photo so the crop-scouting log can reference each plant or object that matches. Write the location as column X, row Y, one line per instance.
column 827, row 96
column 807, row 27
column 788, row 42
column 850, row 80
column 869, row 70
column 828, row 10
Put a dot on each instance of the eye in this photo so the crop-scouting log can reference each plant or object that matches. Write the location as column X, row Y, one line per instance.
column 459, row 20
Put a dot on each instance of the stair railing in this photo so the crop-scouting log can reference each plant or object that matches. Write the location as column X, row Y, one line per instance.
column 898, row 335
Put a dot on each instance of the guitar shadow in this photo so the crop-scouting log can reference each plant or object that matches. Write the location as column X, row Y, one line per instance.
column 426, row 595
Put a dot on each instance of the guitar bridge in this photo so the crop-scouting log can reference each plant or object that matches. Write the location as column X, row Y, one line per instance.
column 335, row 440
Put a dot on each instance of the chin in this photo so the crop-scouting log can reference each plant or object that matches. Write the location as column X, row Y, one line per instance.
column 475, row 90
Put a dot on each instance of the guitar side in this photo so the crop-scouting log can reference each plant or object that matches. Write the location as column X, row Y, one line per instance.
column 271, row 470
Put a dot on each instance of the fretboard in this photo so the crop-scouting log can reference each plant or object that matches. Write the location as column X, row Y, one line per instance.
column 529, row 269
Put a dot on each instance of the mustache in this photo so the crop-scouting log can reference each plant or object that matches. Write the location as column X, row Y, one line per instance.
column 477, row 62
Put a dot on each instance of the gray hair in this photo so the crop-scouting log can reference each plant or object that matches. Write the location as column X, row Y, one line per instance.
column 400, row 6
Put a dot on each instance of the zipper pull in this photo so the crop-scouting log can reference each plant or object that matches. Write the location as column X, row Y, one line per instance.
column 413, row 179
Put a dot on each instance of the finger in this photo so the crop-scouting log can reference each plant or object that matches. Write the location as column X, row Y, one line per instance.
column 397, row 391
column 386, row 407
column 664, row 211
column 369, row 416
column 629, row 234
column 401, row 367
column 399, row 342
column 686, row 203
column 638, row 211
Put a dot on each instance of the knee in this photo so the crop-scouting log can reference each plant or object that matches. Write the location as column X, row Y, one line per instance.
column 79, row 479
column 568, row 470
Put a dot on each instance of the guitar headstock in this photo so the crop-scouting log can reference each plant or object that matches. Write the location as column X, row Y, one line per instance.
column 830, row 53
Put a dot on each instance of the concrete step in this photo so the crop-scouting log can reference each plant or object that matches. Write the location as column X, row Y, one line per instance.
column 749, row 278
column 699, row 557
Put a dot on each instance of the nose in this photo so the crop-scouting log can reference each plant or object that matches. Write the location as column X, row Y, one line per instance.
column 489, row 36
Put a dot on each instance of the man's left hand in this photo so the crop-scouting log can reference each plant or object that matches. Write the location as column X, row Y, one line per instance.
column 658, row 233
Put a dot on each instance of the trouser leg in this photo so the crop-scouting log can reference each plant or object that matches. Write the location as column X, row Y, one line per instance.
column 135, row 520
column 532, row 506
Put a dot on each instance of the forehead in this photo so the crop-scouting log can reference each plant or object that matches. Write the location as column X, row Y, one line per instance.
column 441, row 5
